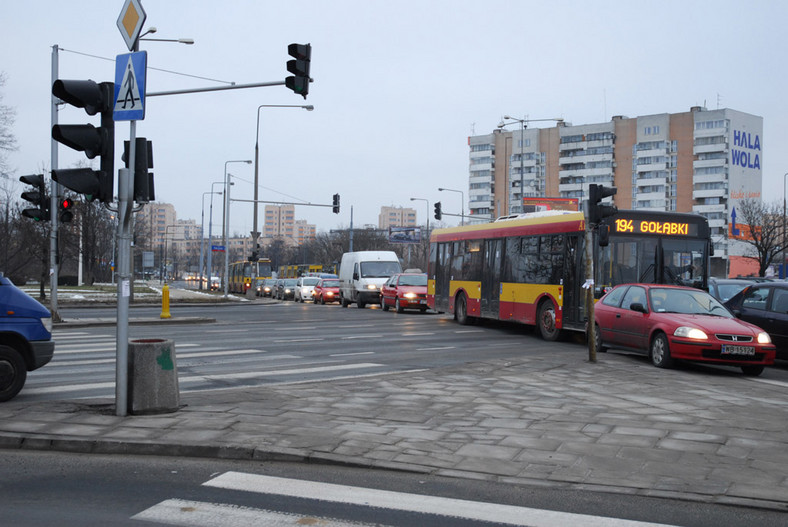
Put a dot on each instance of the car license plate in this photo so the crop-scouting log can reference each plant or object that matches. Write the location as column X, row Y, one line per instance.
column 728, row 349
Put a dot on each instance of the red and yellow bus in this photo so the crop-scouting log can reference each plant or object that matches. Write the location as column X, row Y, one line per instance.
column 243, row 274
column 531, row 269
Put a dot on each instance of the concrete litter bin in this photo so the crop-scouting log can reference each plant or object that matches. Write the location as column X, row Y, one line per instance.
column 153, row 377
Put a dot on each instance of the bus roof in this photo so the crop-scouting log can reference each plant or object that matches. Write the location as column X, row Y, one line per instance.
column 547, row 222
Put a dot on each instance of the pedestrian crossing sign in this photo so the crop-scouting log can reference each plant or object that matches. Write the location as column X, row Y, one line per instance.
column 130, row 74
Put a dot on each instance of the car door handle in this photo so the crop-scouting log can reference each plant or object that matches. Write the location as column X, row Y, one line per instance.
column 618, row 315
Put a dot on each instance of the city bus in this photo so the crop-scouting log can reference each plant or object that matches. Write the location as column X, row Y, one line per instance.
column 243, row 274
column 531, row 268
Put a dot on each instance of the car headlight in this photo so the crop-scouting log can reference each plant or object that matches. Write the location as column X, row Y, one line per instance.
column 371, row 287
column 690, row 333
column 764, row 338
column 329, row 293
column 410, row 295
column 47, row 322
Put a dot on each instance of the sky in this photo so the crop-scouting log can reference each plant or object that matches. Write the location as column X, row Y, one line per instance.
column 398, row 88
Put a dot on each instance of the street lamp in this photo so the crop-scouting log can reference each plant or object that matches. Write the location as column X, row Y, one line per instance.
column 202, row 232
column 522, row 149
column 462, row 205
column 151, row 30
column 255, row 233
column 210, row 235
column 227, row 220
column 785, row 271
column 428, row 213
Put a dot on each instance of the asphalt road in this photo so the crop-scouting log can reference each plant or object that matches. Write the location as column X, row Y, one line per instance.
column 256, row 344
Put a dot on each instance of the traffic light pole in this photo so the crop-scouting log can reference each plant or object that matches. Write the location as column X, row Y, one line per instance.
column 54, row 195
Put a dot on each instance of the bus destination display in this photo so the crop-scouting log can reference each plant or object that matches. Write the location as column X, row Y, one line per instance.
column 665, row 228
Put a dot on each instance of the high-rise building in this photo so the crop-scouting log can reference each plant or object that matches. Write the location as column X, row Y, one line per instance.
column 701, row 161
column 280, row 223
column 396, row 217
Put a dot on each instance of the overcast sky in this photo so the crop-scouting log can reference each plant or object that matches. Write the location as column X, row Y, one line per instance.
column 398, row 87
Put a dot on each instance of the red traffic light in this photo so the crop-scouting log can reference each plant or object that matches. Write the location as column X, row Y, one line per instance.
column 67, row 204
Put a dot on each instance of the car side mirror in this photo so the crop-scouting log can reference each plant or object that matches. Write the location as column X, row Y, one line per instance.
column 637, row 306
column 355, row 276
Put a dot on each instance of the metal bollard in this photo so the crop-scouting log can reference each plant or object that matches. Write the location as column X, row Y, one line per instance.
column 165, row 301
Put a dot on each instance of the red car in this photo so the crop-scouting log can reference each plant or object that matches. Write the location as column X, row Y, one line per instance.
column 405, row 291
column 326, row 290
column 671, row 323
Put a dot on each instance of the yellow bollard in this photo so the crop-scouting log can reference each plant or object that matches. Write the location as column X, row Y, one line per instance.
column 165, row 301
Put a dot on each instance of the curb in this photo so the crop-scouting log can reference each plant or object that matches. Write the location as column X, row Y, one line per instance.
column 242, row 453
column 99, row 322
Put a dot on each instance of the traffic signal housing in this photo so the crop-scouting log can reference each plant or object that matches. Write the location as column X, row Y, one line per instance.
column 299, row 67
column 335, row 208
column 143, row 161
column 65, row 206
column 94, row 98
column 438, row 212
column 597, row 210
column 38, row 197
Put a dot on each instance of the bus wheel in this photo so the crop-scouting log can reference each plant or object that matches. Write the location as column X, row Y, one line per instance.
column 461, row 310
column 546, row 321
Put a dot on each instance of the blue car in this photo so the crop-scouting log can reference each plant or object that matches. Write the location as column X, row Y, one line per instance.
column 25, row 337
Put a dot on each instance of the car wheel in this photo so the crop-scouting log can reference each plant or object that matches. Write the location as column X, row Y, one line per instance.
column 383, row 305
column 545, row 319
column 423, row 309
column 600, row 347
column 13, row 373
column 752, row 370
column 343, row 302
column 360, row 304
column 660, row 352
column 398, row 306
column 461, row 310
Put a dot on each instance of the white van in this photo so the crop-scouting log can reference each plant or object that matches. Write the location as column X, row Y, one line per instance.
column 361, row 275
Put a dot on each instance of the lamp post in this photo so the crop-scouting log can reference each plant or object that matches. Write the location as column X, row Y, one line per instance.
column 462, row 205
column 428, row 213
column 202, row 233
column 152, row 30
column 522, row 122
column 255, row 233
column 784, row 273
column 210, row 235
column 227, row 219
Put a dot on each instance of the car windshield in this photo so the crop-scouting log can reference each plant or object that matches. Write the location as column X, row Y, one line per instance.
column 686, row 301
column 330, row 283
column 310, row 281
column 290, row 282
column 728, row 291
column 413, row 279
column 379, row 269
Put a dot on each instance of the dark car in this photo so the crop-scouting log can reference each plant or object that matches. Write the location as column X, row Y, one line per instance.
column 405, row 291
column 723, row 289
column 670, row 323
column 765, row 304
column 266, row 287
column 285, row 288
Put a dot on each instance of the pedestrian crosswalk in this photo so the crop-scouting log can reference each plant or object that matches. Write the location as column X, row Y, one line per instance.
column 352, row 500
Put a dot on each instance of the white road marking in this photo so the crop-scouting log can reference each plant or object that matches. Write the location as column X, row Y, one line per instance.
column 200, row 514
column 451, row 507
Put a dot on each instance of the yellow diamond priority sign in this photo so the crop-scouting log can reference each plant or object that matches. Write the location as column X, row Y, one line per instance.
column 130, row 22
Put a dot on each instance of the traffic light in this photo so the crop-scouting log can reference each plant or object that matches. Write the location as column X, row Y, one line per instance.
column 143, row 160
column 336, row 204
column 299, row 67
column 37, row 197
column 596, row 209
column 438, row 212
column 94, row 98
column 65, row 206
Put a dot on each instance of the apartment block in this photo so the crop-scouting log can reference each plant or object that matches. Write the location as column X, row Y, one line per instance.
column 396, row 217
column 701, row 161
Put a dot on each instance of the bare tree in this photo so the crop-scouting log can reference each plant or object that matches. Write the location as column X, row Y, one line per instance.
column 762, row 230
column 7, row 138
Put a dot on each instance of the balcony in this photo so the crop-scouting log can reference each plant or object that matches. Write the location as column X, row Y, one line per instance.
column 710, row 193
column 707, row 209
column 704, row 149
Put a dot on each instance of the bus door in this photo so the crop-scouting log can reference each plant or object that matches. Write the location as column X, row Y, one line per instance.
column 441, row 276
column 491, row 278
column 573, row 279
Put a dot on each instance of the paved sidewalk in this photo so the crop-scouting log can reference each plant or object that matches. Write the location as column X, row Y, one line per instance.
column 554, row 420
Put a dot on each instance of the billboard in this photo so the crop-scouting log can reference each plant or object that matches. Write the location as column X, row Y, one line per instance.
column 404, row 235
column 539, row 204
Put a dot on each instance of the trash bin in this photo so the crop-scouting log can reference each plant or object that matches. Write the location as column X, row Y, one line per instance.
column 153, row 377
